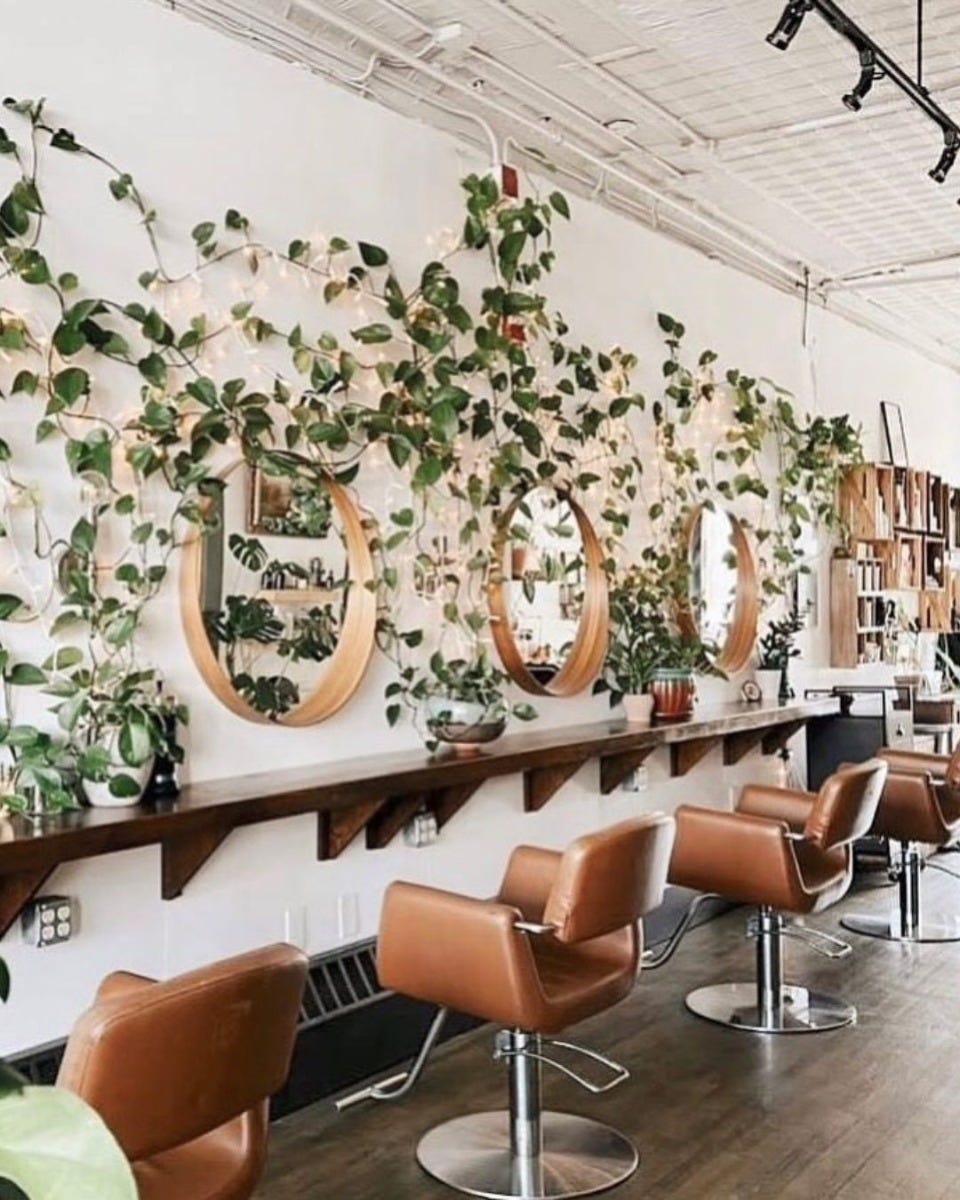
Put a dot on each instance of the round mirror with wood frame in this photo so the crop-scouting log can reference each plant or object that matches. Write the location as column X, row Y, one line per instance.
column 723, row 576
column 584, row 659
column 344, row 667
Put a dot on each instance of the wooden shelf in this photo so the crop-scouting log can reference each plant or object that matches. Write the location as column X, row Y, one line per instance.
column 298, row 597
column 376, row 794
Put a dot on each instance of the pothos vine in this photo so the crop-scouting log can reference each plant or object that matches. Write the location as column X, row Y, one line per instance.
column 464, row 402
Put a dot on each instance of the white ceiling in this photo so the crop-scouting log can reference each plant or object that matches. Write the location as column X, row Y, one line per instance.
column 679, row 113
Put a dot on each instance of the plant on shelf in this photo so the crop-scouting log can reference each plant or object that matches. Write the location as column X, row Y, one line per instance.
column 776, row 647
column 462, row 700
column 635, row 647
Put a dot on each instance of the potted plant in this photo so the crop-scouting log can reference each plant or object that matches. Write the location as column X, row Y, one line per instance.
column 464, row 701
column 634, row 649
column 673, row 685
column 119, row 719
column 775, row 649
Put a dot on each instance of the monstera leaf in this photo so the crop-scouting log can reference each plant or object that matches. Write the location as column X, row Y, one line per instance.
column 55, row 1147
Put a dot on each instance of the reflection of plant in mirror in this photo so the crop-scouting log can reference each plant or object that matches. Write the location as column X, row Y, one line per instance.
column 309, row 512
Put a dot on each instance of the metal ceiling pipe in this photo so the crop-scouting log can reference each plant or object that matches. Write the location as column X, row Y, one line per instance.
column 631, row 93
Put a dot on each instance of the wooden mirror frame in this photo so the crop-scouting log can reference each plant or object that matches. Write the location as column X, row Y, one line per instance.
column 345, row 668
column 585, row 661
column 742, row 631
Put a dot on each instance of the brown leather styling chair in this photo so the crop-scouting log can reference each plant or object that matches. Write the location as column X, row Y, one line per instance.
column 559, row 943
column 784, row 851
column 182, row 1071
column 920, row 804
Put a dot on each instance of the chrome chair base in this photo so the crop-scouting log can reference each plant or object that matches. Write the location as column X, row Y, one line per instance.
column 801, row 1011
column 578, row 1157
column 931, row 927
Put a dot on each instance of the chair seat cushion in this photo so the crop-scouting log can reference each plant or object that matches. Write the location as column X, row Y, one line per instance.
column 581, row 981
column 218, row 1166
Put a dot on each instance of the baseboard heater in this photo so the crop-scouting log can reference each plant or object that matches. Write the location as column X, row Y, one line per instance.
column 351, row 1030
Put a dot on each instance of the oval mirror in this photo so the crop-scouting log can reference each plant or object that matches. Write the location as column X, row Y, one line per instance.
column 277, row 598
column 548, row 595
column 723, row 607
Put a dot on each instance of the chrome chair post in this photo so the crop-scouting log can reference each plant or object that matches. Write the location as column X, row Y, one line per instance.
column 525, row 1092
column 769, row 966
column 907, row 922
column 768, row 1005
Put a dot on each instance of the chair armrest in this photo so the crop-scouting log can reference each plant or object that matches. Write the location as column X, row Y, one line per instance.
column 122, row 983
column 915, row 762
column 453, row 950
column 737, row 855
column 528, row 880
column 777, row 804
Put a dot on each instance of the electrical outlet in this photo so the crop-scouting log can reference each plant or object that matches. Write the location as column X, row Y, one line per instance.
column 637, row 781
column 421, row 830
column 348, row 916
column 49, row 921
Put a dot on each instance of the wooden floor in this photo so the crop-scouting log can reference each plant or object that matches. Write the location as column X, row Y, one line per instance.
column 866, row 1113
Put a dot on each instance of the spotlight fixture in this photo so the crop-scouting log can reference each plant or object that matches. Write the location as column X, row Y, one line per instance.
column 947, row 158
column 875, row 63
column 790, row 21
column 868, row 76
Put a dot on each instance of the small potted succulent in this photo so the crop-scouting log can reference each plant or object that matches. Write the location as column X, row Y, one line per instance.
column 464, row 702
column 774, row 651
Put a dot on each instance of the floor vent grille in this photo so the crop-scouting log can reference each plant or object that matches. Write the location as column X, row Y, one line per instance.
column 339, row 982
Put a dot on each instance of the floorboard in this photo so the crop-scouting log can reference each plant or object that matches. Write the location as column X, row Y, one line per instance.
column 866, row 1113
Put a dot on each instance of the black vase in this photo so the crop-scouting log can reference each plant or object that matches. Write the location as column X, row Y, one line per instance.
column 786, row 691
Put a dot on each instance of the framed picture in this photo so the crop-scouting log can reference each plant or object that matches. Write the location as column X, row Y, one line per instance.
column 894, row 434
column 287, row 506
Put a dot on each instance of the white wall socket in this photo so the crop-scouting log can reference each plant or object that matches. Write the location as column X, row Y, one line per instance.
column 637, row 781
column 348, row 916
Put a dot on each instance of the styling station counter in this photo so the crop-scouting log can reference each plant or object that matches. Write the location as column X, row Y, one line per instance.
column 378, row 795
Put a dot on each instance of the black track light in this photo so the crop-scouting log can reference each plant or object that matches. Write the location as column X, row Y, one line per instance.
column 790, row 21
column 868, row 76
column 947, row 158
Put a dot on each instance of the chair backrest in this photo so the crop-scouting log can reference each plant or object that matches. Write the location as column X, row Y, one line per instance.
column 953, row 770
column 846, row 804
column 609, row 879
column 167, row 1062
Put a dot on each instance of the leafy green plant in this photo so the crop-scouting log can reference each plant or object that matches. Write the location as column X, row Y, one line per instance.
column 637, row 635
column 777, row 644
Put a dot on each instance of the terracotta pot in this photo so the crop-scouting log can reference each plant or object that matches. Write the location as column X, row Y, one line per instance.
column 673, row 694
column 638, row 709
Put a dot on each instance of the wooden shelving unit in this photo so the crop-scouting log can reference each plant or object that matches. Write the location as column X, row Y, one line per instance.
column 904, row 527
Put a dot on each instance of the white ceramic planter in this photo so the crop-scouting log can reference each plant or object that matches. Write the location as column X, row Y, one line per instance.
column 769, row 684
column 100, row 796
column 638, row 709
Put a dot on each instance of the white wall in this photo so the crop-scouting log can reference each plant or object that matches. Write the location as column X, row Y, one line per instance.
column 203, row 123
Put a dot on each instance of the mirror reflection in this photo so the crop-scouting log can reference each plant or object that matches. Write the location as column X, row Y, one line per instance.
column 273, row 587
column 714, row 574
column 544, row 571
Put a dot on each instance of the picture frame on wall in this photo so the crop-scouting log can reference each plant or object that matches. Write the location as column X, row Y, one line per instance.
column 894, row 434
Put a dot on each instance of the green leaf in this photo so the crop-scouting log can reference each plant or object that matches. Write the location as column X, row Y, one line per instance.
column 369, row 335
column 83, row 537
column 26, row 382
column 68, row 282
column 373, row 256
column 9, row 604
column 26, row 675
column 70, row 384
column 558, row 202
column 203, row 232
column 428, row 472
column 52, row 1143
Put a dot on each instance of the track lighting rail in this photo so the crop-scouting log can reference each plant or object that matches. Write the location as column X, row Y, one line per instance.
column 875, row 63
